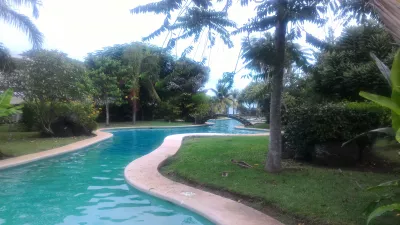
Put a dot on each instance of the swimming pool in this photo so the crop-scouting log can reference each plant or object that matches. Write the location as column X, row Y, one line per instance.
column 88, row 186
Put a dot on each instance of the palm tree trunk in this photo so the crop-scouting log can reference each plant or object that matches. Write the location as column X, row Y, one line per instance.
column 273, row 163
column 107, row 113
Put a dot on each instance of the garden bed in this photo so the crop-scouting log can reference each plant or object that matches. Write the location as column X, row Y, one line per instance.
column 299, row 194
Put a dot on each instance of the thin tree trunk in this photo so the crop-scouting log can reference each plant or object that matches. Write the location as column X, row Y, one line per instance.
column 273, row 163
column 134, row 112
column 107, row 113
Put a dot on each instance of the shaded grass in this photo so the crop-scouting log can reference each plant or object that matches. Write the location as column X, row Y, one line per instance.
column 17, row 143
column 144, row 123
column 318, row 195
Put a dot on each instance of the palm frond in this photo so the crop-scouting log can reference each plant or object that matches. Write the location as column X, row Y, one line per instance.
column 356, row 9
column 257, row 25
column 187, row 51
column 159, row 31
column 161, row 7
column 34, row 4
column 21, row 22
column 316, row 42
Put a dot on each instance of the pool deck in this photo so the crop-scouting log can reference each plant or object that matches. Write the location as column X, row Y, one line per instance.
column 143, row 174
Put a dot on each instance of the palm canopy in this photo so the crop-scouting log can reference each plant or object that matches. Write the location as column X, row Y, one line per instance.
column 194, row 18
column 143, row 68
column 258, row 55
column 223, row 97
column 20, row 21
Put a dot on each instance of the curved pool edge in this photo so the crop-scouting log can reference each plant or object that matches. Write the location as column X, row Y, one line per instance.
column 143, row 175
column 101, row 135
column 25, row 159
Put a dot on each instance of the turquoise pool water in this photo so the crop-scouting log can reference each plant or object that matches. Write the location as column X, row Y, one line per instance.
column 88, row 186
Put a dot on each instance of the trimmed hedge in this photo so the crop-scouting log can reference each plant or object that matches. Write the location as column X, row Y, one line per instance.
column 309, row 125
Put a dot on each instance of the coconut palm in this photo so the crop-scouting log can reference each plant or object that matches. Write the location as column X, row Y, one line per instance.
column 258, row 55
column 9, row 15
column 235, row 95
column 223, row 99
column 143, row 69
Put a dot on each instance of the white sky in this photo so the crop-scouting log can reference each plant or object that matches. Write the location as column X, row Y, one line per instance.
column 78, row 27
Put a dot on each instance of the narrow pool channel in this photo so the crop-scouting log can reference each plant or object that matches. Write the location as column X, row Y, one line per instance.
column 88, row 186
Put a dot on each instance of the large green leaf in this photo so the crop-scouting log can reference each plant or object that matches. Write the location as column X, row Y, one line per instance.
column 393, row 183
column 385, row 71
column 386, row 130
column 382, row 210
column 382, row 100
column 6, row 109
column 5, row 98
column 395, row 74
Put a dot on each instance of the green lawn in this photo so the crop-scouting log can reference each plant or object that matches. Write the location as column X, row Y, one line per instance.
column 260, row 126
column 311, row 194
column 144, row 123
column 16, row 143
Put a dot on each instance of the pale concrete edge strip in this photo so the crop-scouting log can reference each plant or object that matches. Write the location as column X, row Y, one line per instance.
column 247, row 128
column 101, row 135
column 201, row 209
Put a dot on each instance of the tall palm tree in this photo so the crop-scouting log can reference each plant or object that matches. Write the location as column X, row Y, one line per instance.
column 223, row 99
column 278, row 14
column 235, row 95
column 20, row 21
column 143, row 69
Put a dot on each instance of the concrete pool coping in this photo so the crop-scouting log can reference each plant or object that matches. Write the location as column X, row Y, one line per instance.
column 143, row 175
column 249, row 128
column 101, row 135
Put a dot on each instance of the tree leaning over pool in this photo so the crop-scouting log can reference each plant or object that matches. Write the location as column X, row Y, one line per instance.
column 194, row 17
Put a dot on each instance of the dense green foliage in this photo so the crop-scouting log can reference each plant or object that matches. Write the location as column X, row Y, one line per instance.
column 45, row 116
column 307, row 125
column 345, row 70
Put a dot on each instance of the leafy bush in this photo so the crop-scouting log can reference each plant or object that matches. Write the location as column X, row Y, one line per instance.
column 201, row 113
column 308, row 125
column 71, row 118
column 168, row 111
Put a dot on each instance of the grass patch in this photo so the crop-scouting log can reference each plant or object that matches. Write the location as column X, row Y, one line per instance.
column 144, row 123
column 316, row 195
column 17, row 143
column 260, row 126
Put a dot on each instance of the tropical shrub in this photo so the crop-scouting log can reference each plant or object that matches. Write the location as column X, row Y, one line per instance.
column 311, row 125
column 168, row 111
column 201, row 113
column 61, row 119
column 6, row 109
